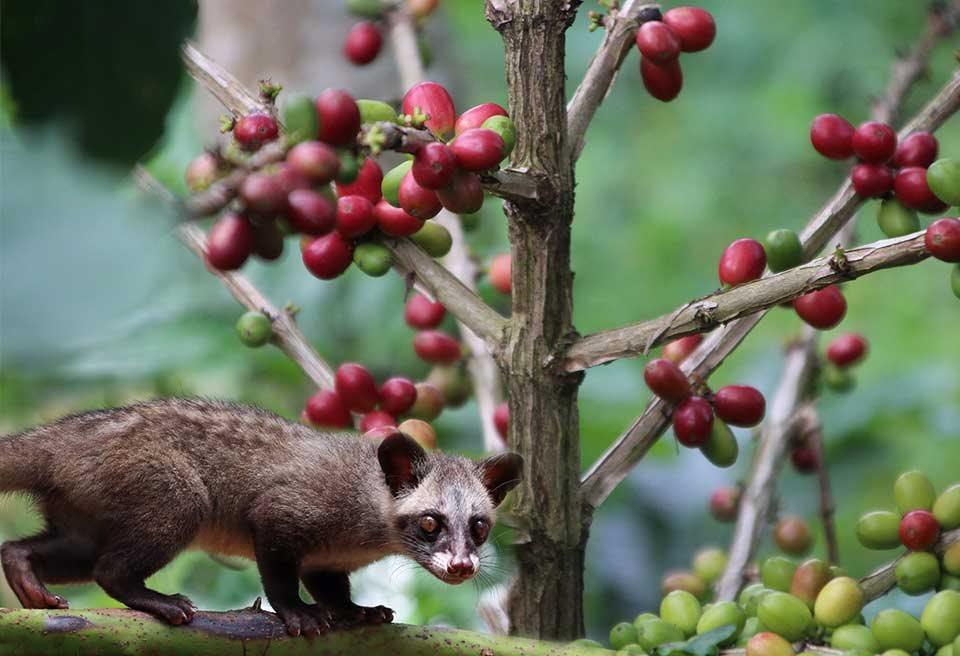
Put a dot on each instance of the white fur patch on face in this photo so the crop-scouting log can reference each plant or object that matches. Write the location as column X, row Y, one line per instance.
column 439, row 563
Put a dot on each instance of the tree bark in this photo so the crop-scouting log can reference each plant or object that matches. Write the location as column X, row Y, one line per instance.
column 546, row 598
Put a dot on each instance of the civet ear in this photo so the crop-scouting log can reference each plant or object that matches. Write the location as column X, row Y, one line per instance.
column 500, row 474
column 399, row 454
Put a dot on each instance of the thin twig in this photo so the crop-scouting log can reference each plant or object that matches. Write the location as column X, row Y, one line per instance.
column 812, row 437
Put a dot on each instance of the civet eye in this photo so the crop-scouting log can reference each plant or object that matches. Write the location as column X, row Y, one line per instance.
column 429, row 525
column 480, row 528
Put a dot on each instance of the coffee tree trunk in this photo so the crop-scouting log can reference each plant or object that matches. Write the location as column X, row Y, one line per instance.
column 546, row 599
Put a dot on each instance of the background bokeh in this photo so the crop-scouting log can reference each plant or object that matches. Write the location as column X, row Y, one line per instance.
column 100, row 305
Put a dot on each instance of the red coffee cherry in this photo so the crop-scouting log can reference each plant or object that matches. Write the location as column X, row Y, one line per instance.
column 918, row 149
column 742, row 261
column 338, row 117
column 267, row 240
column 871, row 180
column 363, row 43
column 464, row 194
column 832, row 136
column 397, row 395
column 328, row 256
column 822, row 309
column 254, row 130
column 289, row 178
column 368, row 183
column 436, row 347
column 434, row 166
column 416, row 200
column 942, row 239
column 805, row 459
column 314, row 160
column 662, row 81
column 919, row 529
column 693, row 26
column 356, row 387
column 739, row 405
column 693, row 421
column 657, row 42
column 724, row 503
column 475, row 116
column 229, row 242
column 874, row 141
column 501, row 419
column 666, row 380
column 422, row 313
column 500, row 273
column 678, row 350
column 379, row 421
column 262, row 193
column 478, row 149
column 310, row 212
column 355, row 216
column 433, row 100
column 325, row 409
column 847, row 349
column 910, row 187
column 394, row 221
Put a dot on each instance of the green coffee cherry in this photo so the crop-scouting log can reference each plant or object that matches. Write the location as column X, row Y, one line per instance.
column 366, row 8
column 503, row 126
column 777, row 572
column 751, row 596
column 858, row 652
column 839, row 602
column 751, row 627
column 913, row 491
column 658, row 632
column 955, row 280
column 951, row 559
column 895, row 652
column 632, row 650
column 722, row 613
column 784, row 250
column 809, row 579
column 947, row 506
column 390, row 187
column 623, row 634
column 879, row 529
column 372, row 258
column 895, row 220
column 837, row 379
column 254, row 328
column 372, row 111
column 681, row 609
column 946, row 650
column 785, row 615
column 434, row 239
column 768, row 644
column 895, row 629
column 943, row 178
column 854, row 636
column 682, row 580
column 941, row 617
column 721, row 447
column 300, row 119
column 642, row 619
column 709, row 564
column 917, row 572
column 349, row 166
column 949, row 582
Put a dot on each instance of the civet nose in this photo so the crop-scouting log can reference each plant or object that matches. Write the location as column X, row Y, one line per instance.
column 460, row 567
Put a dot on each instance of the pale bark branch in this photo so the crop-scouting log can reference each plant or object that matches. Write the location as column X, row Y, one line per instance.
column 707, row 313
column 224, row 86
column 883, row 579
column 621, row 28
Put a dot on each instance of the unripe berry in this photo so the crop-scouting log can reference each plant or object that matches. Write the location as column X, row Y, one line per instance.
column 874, row 142
column 429, row 403
column 373, row 258
column 657, row 42
column 229, row 242
column 422, row 313
column 740, row 405
column 437, row 347
column 254, row 328
column 310, row 212
column 337, row 116
column 328, row 256
column 823, row 309
column 942, row 239
column 839, row 601
column 895, row 220
column 662, row 81
column 325, row 409
column 433, row 100
column 792, row 535
column 201, row 172
column 681, row 580
column 367, row 183
column 355, row 216
column 943, row 178
column 742, row 261
column 422, row 432
column 363, row 43
column 394, row 221
column 918, row 149
column 724, row 503
column 356, row 387
column 475, row 116
column 433, row 238
column 832, row 136
column 847, row 349
column 500, row 273
column 666, row 380
column 434, row 166
column 693, row 26
column 783, row 249
column 254, row 130
column 879, row 529
column 768, row 644
column 871, row 180
column 397, row 395
column 693, row 421
column 917, row 572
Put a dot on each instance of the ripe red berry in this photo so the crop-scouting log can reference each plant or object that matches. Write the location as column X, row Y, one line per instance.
column 262, row 193
column 338, row 117
column 254, row 130
column 742, row 261
column 910, row 187
column 394, row 221
column 665, row 379
column 356, row 387
column 805, row 459
column 422, row 313
column 397, row 395
column 314, row 160
column 657, row 42
column 871, row 180
column 433, row 100
column 416, row 200
column 740, row 405
column 434, row 166
column 918, row 149
column 325, row 409
column 436, row 347
column 847, row 349
column 478, row 149
column 368, row 183
column 501, row 419
column 310, row 212
column 919, row 529
column 678, row 350
column 363, row 43
column 475, row 116
column 724, row 503
column 355, row 216
column 500, row 273
column 942, row 239
column 464, row 194
column 290, row 179
column 328, row 256
column 662, row 81
column 378, row 420
column 693, row 26
column 874, row 141
column 822, row 309
column 832, row 136
column 693, row 421
column 229, row 242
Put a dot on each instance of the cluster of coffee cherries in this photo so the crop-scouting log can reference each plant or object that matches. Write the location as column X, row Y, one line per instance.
column 700, row 420
column 842, row 353
column 916, row 524
column 682, row 29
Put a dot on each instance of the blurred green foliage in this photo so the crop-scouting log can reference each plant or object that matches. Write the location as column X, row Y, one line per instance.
column 100, row 305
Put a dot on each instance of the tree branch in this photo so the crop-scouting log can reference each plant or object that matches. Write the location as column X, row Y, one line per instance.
column 621, row 28
column 227, row 89
column 883, row 579
column 812, row 435
column 707, row 313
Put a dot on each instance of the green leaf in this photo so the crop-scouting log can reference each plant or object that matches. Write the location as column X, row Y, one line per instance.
column 701, row 645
